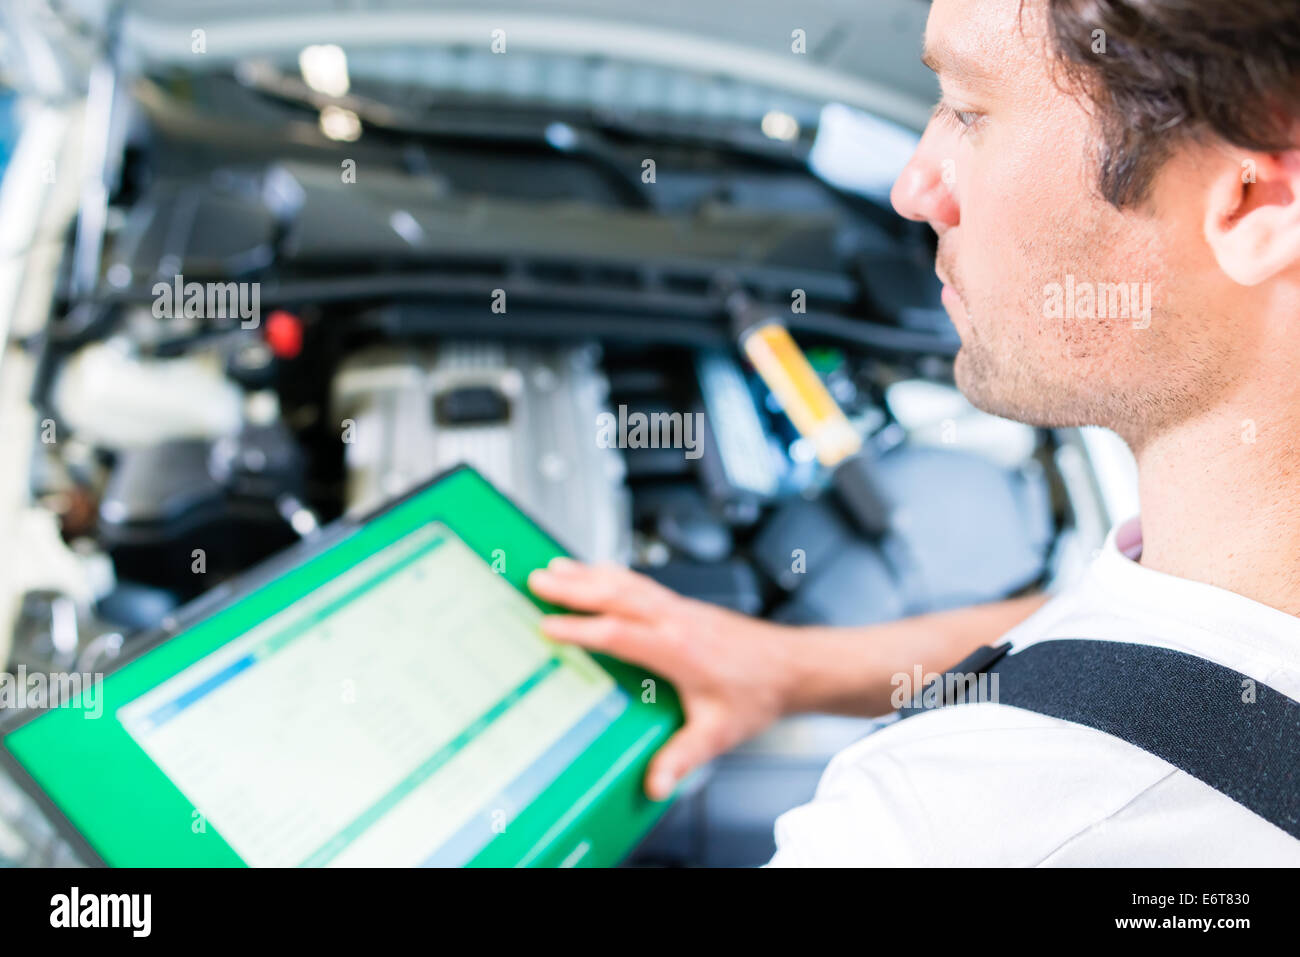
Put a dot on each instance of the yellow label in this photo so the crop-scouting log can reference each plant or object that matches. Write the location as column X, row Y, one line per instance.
column 795, row 383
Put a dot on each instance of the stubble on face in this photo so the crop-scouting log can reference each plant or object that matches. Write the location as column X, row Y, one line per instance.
column 1036, row 220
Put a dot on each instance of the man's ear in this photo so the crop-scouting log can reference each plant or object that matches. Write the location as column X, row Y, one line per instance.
column 1252, row 222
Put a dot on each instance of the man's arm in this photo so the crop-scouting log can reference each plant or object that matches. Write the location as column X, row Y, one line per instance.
column 735, row 674
column 849, row 670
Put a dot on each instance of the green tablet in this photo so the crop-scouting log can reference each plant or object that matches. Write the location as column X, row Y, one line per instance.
column 379, row 696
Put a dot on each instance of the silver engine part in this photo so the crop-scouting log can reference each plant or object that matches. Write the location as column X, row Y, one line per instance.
column 533, row 433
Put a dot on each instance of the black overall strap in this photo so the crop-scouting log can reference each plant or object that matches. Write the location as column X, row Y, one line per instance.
column 1237, row 735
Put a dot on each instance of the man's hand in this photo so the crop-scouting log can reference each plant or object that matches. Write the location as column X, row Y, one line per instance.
column 729, row 670
column 736, row 675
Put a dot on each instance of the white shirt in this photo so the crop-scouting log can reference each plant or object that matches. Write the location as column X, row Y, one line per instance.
column 990, row 784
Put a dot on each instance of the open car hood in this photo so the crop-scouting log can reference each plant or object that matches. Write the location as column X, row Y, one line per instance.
column 860, row 53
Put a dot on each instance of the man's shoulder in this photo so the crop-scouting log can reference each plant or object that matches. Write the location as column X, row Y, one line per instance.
column 984, row 783
column 994, row 785
column 974, row 783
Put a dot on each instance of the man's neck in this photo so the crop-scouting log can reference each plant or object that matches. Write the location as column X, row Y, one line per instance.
column 1221, row 501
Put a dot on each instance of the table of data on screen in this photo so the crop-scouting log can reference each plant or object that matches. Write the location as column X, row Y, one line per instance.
column 399, row 715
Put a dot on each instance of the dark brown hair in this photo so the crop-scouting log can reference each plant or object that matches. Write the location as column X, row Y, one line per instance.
column 1163, row 72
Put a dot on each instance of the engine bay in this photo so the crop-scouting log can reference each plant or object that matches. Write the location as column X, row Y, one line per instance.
column 285, row 338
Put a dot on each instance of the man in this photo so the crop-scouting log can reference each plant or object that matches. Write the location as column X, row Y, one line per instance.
column 1132, row 141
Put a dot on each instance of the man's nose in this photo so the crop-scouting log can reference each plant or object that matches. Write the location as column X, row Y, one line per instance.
column 926, row 188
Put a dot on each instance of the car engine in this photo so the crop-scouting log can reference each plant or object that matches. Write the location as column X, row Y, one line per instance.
column 520, row 415
column 276, row 345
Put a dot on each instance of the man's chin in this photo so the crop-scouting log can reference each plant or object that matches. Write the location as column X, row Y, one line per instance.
column 966, row 374
column 1004, row 394
column 978, row 380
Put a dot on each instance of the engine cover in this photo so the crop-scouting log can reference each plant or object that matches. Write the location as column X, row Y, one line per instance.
column 524, row 416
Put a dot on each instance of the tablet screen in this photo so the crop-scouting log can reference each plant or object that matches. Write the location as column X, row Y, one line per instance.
column 411, row 695
column 378, row 695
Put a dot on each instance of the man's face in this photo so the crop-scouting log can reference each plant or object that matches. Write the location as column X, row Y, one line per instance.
column 1032, row 256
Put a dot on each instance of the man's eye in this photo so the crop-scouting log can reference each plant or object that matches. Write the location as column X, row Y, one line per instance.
column 964, row 119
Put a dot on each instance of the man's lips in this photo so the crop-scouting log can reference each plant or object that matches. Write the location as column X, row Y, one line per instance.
column 949, row 296
column 949, row 293
column 951, row 299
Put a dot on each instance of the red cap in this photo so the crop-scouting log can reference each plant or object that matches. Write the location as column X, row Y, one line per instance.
column 284, row 334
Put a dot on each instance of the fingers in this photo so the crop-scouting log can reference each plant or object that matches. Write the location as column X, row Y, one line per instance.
column 624, row 638
column 691, row 746
column 599, row 588
column 627, row 608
